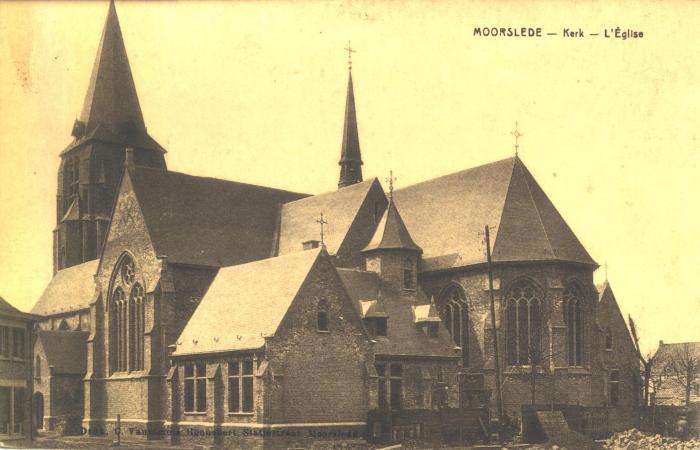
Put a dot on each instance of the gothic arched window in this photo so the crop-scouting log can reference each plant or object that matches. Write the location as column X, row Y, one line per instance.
column 126, row 319
column 574, row 317
column 608, row 339
column 136, row 318
column 455, row 315
column 523, row 325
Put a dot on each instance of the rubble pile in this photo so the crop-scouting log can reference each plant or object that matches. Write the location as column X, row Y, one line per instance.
column 636, row 440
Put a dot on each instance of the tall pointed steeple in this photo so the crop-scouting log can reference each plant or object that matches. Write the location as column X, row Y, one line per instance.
column 350, row 158
column 111, row 99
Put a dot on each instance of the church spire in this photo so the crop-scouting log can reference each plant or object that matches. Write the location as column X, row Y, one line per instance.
column 350, row 158
column 111, row 99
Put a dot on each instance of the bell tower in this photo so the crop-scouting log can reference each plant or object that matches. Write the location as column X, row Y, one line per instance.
column 92, row 164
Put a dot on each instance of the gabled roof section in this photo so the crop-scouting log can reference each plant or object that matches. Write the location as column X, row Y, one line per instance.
column 207, row 221
column 66, row 351
column 111, row 98
column 447, row 216
column 245, row 303
column 70, row 289
column 391, row 233
column 298, row 218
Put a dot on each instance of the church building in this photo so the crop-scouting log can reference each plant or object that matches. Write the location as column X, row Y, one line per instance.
column 194, row 309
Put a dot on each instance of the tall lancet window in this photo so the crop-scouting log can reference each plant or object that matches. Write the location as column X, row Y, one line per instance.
column 523, row 325
column 455, row 315
column 126, row 318
column 574, row 317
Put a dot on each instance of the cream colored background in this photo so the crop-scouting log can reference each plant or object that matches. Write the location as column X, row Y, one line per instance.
column 255, row 92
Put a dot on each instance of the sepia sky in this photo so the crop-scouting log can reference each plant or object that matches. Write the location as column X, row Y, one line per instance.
column 255, row 92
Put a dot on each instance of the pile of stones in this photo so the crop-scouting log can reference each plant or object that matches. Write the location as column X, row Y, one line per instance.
column 636, row 440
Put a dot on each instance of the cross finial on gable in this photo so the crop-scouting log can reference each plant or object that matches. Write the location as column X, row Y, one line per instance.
column 321, row 221
column 517, row 135
column 350, row 52
column 391, row 180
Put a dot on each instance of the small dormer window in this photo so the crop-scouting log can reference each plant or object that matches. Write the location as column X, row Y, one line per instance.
column 432, row 329
column 310, row 245
column 322, row 316
column 380, row 324
column 608, row 339
column 408, row 274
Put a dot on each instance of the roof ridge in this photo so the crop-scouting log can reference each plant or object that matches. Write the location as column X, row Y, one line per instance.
column 223, row 180
column 459, row 172
column 368, row 182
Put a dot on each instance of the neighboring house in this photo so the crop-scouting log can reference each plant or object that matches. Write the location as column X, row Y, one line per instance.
column 59, row 369
column 214, row 305
column 676, row 373
column 16, row 334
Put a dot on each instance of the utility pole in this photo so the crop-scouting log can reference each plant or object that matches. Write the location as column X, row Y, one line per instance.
column 496, row 359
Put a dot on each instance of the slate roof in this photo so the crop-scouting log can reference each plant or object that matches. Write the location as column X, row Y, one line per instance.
column 207, row 221
column 391, row 233
column 446, row 217
column 71, row 289
column 65, row 350
column 111, row 96
column 350, row 150
column 245, row 303
column 298, row 219
column 404, row 336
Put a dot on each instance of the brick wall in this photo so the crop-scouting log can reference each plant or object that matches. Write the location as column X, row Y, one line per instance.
column 580, row 386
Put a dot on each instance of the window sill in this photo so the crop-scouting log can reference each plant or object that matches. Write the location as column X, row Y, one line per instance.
column 193, row 413
column 323, row 331
column 608, row 350
column 241, row 414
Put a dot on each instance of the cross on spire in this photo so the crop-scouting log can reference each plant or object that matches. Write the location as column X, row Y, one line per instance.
column 321, row 221
column 606, row 270
column 391, row 180
column 350, row 52
column 517, row 135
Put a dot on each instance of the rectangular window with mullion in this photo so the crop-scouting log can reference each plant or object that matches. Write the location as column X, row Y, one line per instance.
column 240, row 386
column 195, row 388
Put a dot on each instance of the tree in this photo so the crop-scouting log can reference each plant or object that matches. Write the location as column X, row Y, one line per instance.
column 682, row 365
column 647, row 363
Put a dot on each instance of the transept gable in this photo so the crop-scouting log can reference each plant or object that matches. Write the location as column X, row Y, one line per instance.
column 128, row 234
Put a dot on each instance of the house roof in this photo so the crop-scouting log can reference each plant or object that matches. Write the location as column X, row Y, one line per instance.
column 404, row 336
column 391, row 233
column 66, row 351
column 70, row 289
column 667, row 352
column 207, row 221
column 245, row 303
column 446, row 217
column 298, row 219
